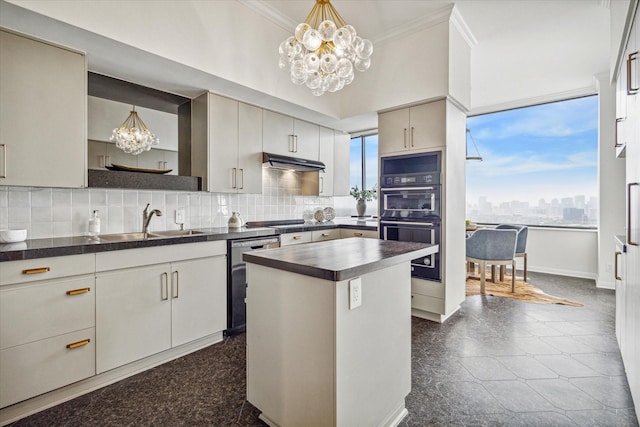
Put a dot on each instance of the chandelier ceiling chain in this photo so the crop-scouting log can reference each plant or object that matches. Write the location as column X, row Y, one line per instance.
column 133, row 136
column 324, row 51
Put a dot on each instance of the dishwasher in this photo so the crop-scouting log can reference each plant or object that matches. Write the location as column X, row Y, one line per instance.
column 237, row 280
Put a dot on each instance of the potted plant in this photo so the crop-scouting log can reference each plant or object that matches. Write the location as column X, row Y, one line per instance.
column 362, row 197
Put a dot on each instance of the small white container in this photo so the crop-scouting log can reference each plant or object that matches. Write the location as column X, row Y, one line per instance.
column 11, row 236
column 235, row 221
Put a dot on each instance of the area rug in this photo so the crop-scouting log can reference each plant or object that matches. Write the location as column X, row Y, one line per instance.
column 524, row 291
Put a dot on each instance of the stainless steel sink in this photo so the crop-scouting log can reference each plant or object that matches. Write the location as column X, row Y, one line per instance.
column 177, row 233
column 125, row 237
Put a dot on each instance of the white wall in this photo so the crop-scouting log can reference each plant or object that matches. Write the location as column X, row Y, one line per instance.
column 566, row 252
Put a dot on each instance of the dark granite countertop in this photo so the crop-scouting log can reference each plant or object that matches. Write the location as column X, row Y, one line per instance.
column 61, row 246
column 337, row 223
column 342, row 259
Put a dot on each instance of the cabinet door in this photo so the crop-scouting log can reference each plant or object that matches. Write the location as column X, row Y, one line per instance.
column 307, row 140
column 393, row 131
column 249, row 149
column 198, row 298
column 133, row 315
column 277, row 133
column 295, row 238
column 427, row 126
column 223, row 144
column 43, row 104
column 327, row 157
column 341, row 163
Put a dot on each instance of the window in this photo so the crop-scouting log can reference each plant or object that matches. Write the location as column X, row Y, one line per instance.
column 364, row 162
column 540, row 165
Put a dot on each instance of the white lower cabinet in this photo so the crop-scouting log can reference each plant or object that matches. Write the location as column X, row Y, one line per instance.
column 47, row 326
column 143, row 310
column 295, row 238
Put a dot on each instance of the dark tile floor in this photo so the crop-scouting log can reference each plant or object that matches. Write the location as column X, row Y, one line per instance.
column 498, row 362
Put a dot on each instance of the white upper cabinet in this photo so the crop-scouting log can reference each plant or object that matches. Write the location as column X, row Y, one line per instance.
column 226, row 144
column 43, row 113
column 290, row 137
column 326, row 178
column 414, row 128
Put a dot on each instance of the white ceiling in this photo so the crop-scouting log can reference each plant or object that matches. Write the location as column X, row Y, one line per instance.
column 524, row 49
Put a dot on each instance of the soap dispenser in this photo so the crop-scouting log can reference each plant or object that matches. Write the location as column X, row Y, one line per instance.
column 94, row 223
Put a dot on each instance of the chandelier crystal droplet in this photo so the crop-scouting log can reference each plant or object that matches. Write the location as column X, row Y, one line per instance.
column 133, row 136
column 324, row 52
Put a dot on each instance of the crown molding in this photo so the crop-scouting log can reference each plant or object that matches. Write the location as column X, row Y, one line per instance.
column 439, row 16
column 272, row 14
column 461, row 25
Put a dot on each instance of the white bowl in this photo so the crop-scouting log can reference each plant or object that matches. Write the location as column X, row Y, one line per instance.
column 11, row 236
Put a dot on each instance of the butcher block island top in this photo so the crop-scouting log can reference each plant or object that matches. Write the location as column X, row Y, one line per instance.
column 329, row 332
column 340, row 259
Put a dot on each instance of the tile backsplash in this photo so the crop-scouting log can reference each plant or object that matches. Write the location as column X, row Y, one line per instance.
column 57, row 212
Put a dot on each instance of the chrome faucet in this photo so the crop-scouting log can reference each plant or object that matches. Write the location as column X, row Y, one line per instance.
column 146, row 217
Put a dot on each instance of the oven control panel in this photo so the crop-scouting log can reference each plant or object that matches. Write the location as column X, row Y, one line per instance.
column 410, row 180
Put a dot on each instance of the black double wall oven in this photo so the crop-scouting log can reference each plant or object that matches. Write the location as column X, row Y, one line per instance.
column 410, row 196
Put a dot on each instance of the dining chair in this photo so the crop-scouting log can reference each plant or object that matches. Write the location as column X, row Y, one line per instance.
column 493, row 247
column 521, row 246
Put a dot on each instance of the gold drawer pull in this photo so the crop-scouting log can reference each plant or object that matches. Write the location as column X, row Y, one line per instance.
column 36, row 270
column 325, row 234
column 358, row 234
column 297, row 237
column 78, row 291
column 78, row 344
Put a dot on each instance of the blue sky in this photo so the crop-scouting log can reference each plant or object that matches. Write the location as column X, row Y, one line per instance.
column 545, row 151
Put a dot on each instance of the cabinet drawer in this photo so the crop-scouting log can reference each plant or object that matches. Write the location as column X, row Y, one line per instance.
column 427, row 288
column 31, row 270
column 350, row 232
column 38, row 367
column 320, row 235
column 116, row 260
column 33, row 312
column 295, row 238
column 426, row 303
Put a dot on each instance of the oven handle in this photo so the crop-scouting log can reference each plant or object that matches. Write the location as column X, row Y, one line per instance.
column 385, row 189
column 407, row 223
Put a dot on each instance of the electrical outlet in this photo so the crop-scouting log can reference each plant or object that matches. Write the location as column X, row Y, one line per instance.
column 179, row 216
column 355, row 293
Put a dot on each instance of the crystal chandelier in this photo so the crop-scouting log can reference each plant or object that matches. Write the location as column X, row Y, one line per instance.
column 324, row 51
column 133, row 136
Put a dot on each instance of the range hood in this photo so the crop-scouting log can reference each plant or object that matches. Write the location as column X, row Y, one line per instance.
column 292, row 163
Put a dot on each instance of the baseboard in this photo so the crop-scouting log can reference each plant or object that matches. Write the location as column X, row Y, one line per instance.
column 605, row 284
column 561, row 272
column 434, row 317
column 39, row 403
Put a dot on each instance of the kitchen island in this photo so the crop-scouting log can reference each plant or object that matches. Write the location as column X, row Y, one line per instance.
column 329, row 332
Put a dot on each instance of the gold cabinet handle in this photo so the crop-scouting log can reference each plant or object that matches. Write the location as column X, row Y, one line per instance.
column 78, row 344
column 241, row 179
column 297, row 237
column 234, row 177
column 405, row 138
column 615, row 266
column 36, row 270
column 412, row 135
column 325, row 234
column 633, row 57
column 78, row 291
column 358, row 234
